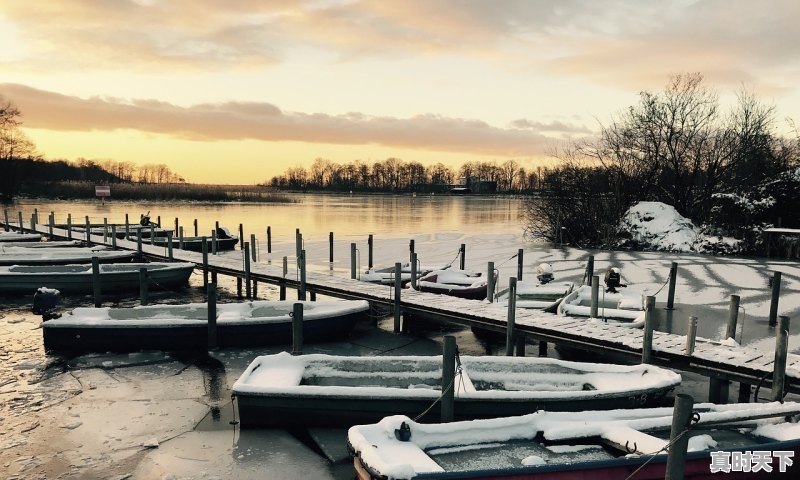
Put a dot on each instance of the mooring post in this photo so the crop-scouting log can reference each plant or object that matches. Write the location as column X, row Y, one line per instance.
column 143, row 286
column 180, row 237
column 298, row 242
column 297, row 329
column 673, row 276
column 69, row 226
column 542, row 349
column 330, row 247
column 34, row 221
column 216, row 225
column 195, row 228
column 204, row 250
column 595, row 299
column 397, row 290
column 114, row 237
column 170, row 253
column 96, row 292
column 269, row 239
column 463, row 254
column 152, row 234
column 590, row 269
column 490, row 282
column 211, row 299
column 50, row 226
column 353, row 261
column 282, row 287
column 512, row 314
column 239, row 288
column 248, row 285
column 691, row 335
column 214, row 242
column 413, row 271
column 241, row 236
column 745, row 390
column 88, row 232
column 21, row 226
column 158, row 220
column 678, row 441
column 449, row 350
column 519, row 264
column 520, row 345
column 105, row 230
column 253, row 248
column 718, row 391
column 301, row 294
column 176, row 226
column 776, row 293
column 127, row 228
column 781, row 349
column 369, row 251
column 139, row 246
column 649, row 321
column 733, row 316
column 5, row 219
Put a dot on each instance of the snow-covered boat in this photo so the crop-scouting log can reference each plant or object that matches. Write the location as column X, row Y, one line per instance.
column 19, row 237
column 61, row 256
column 616, row 302
column 339, row 390
column 617, row 444
column 386, row 275
column 114, row 277
column 185, row 327
column 543, row 294
column 458, row 283
column 225, row 241
column 51, row 244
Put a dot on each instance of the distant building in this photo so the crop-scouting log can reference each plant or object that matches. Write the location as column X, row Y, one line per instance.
column 474, row 185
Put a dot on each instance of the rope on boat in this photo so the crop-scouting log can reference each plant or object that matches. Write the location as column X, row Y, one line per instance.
column 458, row 372
column 662, row 286
column 695, row 418
column 454, row 258
column 512, row 258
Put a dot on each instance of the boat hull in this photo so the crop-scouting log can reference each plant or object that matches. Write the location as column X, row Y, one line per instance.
column 195, row 244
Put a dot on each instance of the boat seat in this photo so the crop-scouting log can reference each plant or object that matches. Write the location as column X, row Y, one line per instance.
column 629, row 304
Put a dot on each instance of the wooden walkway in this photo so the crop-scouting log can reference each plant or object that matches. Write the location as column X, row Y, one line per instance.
column 710, row 358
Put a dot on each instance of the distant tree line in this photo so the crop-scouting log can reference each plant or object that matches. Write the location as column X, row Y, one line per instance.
column 396, row 175
column 678, row 147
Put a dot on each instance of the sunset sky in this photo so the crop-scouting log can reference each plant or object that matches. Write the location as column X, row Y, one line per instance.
column 236, row 91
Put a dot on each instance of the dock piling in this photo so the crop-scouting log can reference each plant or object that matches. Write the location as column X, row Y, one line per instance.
column 647, row 340
column 180, row 237
column 282, row 288
column 369, row 250
column 69, row 226
column 520, row 346
column 297, row 329
column 490, row 282
column 5, row 219
column 21, row 226
column 170, row 253
column 330, row 247
column 105, row 230
column 397, row 292
column 512, row 314
column 195, row 228
column 241, row 236
column 96, row 290
column 143, row 286
column 590, row 269
column 413, row 271
column 248, row 284
column 678, row 441
column 301, row 293
column 269, row 239
column 462, row 256
column 211, row 298
column 51, row 224
column 214, row 242
column 593, row 308
column 298, row 242
column 114, row 237
column 776, row 292
column 449, row 351
column 673, row 276
column 253, row 248
column 204, row 250
column 519, row 264
column 781, row 350
column 353, row 261
column 127, row 228
column 176, row 226
column 691, row 335
column 88, row 232
column 733, row 316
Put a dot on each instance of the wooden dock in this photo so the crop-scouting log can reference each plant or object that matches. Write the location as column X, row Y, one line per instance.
column 713, row 359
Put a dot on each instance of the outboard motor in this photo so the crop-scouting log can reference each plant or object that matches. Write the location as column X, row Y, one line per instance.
column 544, row 272
column 613, row 280
column 45, row 302
column 223, row 232
column 146, row 222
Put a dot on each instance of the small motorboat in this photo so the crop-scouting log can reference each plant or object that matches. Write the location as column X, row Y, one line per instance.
column 617, row 302
column 185, row 327
column 282, row 389
column 616, row 444
column 454, row 282
column 19, row 237
column 61, row 256
column 225, row 241
column 543, row 294
column 50, row 244
column 386, row 276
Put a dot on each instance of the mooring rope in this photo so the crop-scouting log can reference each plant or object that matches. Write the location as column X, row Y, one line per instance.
column 458, row 373
column 694, row 419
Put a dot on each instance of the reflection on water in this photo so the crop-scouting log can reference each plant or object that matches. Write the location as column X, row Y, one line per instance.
column 313, row 214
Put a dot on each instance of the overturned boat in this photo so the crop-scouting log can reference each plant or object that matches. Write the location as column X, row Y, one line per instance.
column 185, row 327
column 280, row 390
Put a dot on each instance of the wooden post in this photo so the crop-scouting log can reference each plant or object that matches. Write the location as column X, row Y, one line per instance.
column 127, row 228
column 158, row 220
column 353, row 266
column 253, row 248
column 139, row 246
column 781, row 349
column 410, row 247
column 681, row 418
column 33, row 223
column 214, row 242
column 370, row 241
column 239, row 288
column 211, row 297
column 69, row 226
column 519, row 264
column 490, row 282
column 448, row 378
column 21, row 225
column 170, row 253
column 143, row 286
column 647, row 341
column 96, row 291
column 595, row 299
column 105, row 230
column 152, row 234
column 248, row 285
column 590, row 269
column 5, row 218
column 301, row 294
column 114, row 237
column 463, row 254
column 776, row 293
column 52, row 222
column 241, row 236
column 180, row 237
column 733, row 316
column 413, row 271
column 88, row 232
column 397, row 291
column 269, row 239
column 176, row 226
column 195, row 228
column 282, row 287
column 204, row 250
column 297, row 329
column 673, row 276
column 520, row 346
column 691, row 335
column 745, row 389
column 512, row 314
column 298, row 242
column 330, row 247
column 542, row 349
column 718, row 390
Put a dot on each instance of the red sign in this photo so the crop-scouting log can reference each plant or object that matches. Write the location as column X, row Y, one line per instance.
column 102, row 191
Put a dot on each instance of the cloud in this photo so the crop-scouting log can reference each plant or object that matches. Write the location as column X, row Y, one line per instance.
column 264, row 121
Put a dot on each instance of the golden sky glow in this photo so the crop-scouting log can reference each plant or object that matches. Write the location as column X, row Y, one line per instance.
column 236, row 91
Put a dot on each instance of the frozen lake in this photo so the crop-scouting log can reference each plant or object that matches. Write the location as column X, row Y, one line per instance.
column 156, row 415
